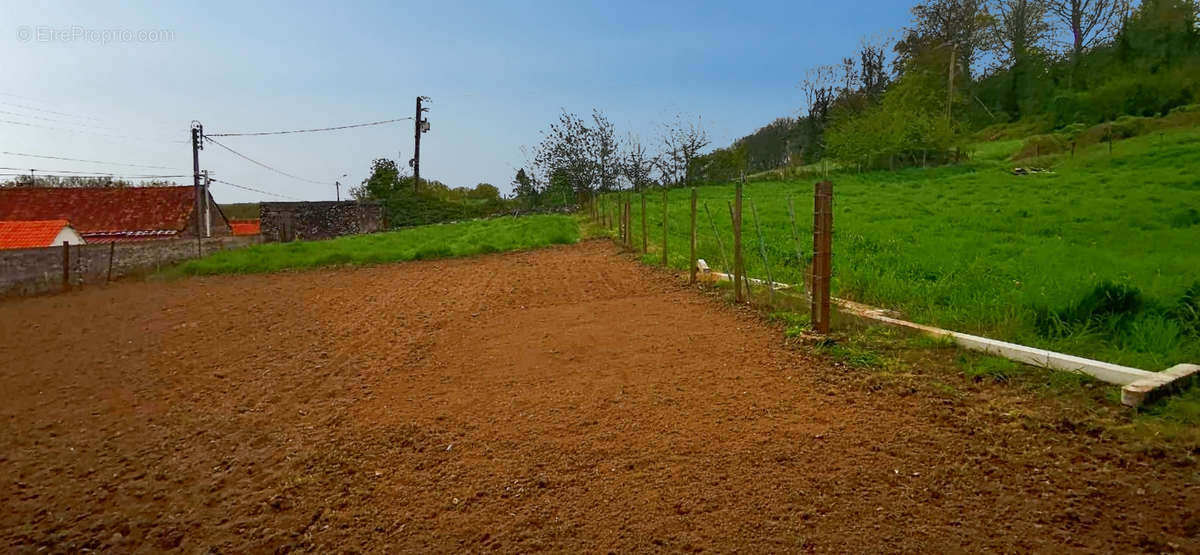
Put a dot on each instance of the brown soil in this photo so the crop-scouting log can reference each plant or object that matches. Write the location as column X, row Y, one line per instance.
column 566, row 399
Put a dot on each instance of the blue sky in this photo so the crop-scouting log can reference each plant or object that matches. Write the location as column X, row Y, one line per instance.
column 498, row 72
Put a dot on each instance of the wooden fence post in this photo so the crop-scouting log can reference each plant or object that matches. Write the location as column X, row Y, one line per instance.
column 66, row 265
column 739, row 270
column 624, row 221
column 645, row 242
column 822, row 255
column 733, row 272
column 692, row 263
column 628, row 218
column 666, row 194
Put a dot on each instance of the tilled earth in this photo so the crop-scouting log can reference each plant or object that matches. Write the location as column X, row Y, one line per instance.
column 565, row 399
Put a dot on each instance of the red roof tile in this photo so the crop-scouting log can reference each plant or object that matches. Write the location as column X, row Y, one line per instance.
column 245, row 227
column 24, row 234
column 107, row 209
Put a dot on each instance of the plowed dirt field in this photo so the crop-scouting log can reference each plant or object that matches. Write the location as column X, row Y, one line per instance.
column 565, row 399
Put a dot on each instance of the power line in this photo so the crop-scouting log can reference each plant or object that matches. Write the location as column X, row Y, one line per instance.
column 89, row 161
column 53, row 120
column 126, row 137
column 47, row 111
column 351, row 126
column 215, row 180
column 66, row 173
column 260, row 164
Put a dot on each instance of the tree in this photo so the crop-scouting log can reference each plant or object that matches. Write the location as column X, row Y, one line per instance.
column 944, row 33
column 484, row 191
column 1090, row 22
column 524, row 189
column 567, row 147
column 558, row 188
column 1018, row 32
column 682, row 142
column 1018, row 29
column 605, row 152
column 82, row 182
column 818, row 87
column 383, row 181
column 637, row 165
column 874, row 77
column 1160, row 33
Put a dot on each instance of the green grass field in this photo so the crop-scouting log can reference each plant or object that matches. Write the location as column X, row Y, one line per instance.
column 417, row 243
column 1093, row 259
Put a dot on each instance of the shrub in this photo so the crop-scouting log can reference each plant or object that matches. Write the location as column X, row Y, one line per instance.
column 1042, row 145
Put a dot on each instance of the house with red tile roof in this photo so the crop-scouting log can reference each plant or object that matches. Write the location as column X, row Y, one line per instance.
column 28, row 234
column 107, row 214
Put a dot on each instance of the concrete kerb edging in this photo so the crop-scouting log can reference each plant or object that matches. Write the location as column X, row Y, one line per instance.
column 1138, row 386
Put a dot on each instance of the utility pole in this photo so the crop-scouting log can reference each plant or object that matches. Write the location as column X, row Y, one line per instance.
column 337, row 185
column 420, row 125
column 197, row 146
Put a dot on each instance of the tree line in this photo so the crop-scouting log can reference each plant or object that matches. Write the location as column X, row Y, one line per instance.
column 963, row 67
column 578, row 157
column 407, row 203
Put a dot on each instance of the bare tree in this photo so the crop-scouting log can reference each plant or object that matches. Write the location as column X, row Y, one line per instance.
column 819, row 87
column 1090, row 22
column 637, row 164
column 1019, row 27
column 682, row 143
column 872, row 64
column 604, row 151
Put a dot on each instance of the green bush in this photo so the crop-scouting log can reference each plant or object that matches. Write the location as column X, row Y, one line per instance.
column 1043, row 145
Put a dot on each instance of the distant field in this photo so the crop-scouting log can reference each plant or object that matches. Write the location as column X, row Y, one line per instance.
column 432, row 241
column 240, row 211
column 977, row 249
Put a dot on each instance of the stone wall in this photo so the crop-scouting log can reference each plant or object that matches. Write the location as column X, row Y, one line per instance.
column 289, row 221
column 34, row 271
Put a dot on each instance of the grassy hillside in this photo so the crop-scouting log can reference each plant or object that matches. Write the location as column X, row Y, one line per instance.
column 424, row 242
column 1094, row 259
